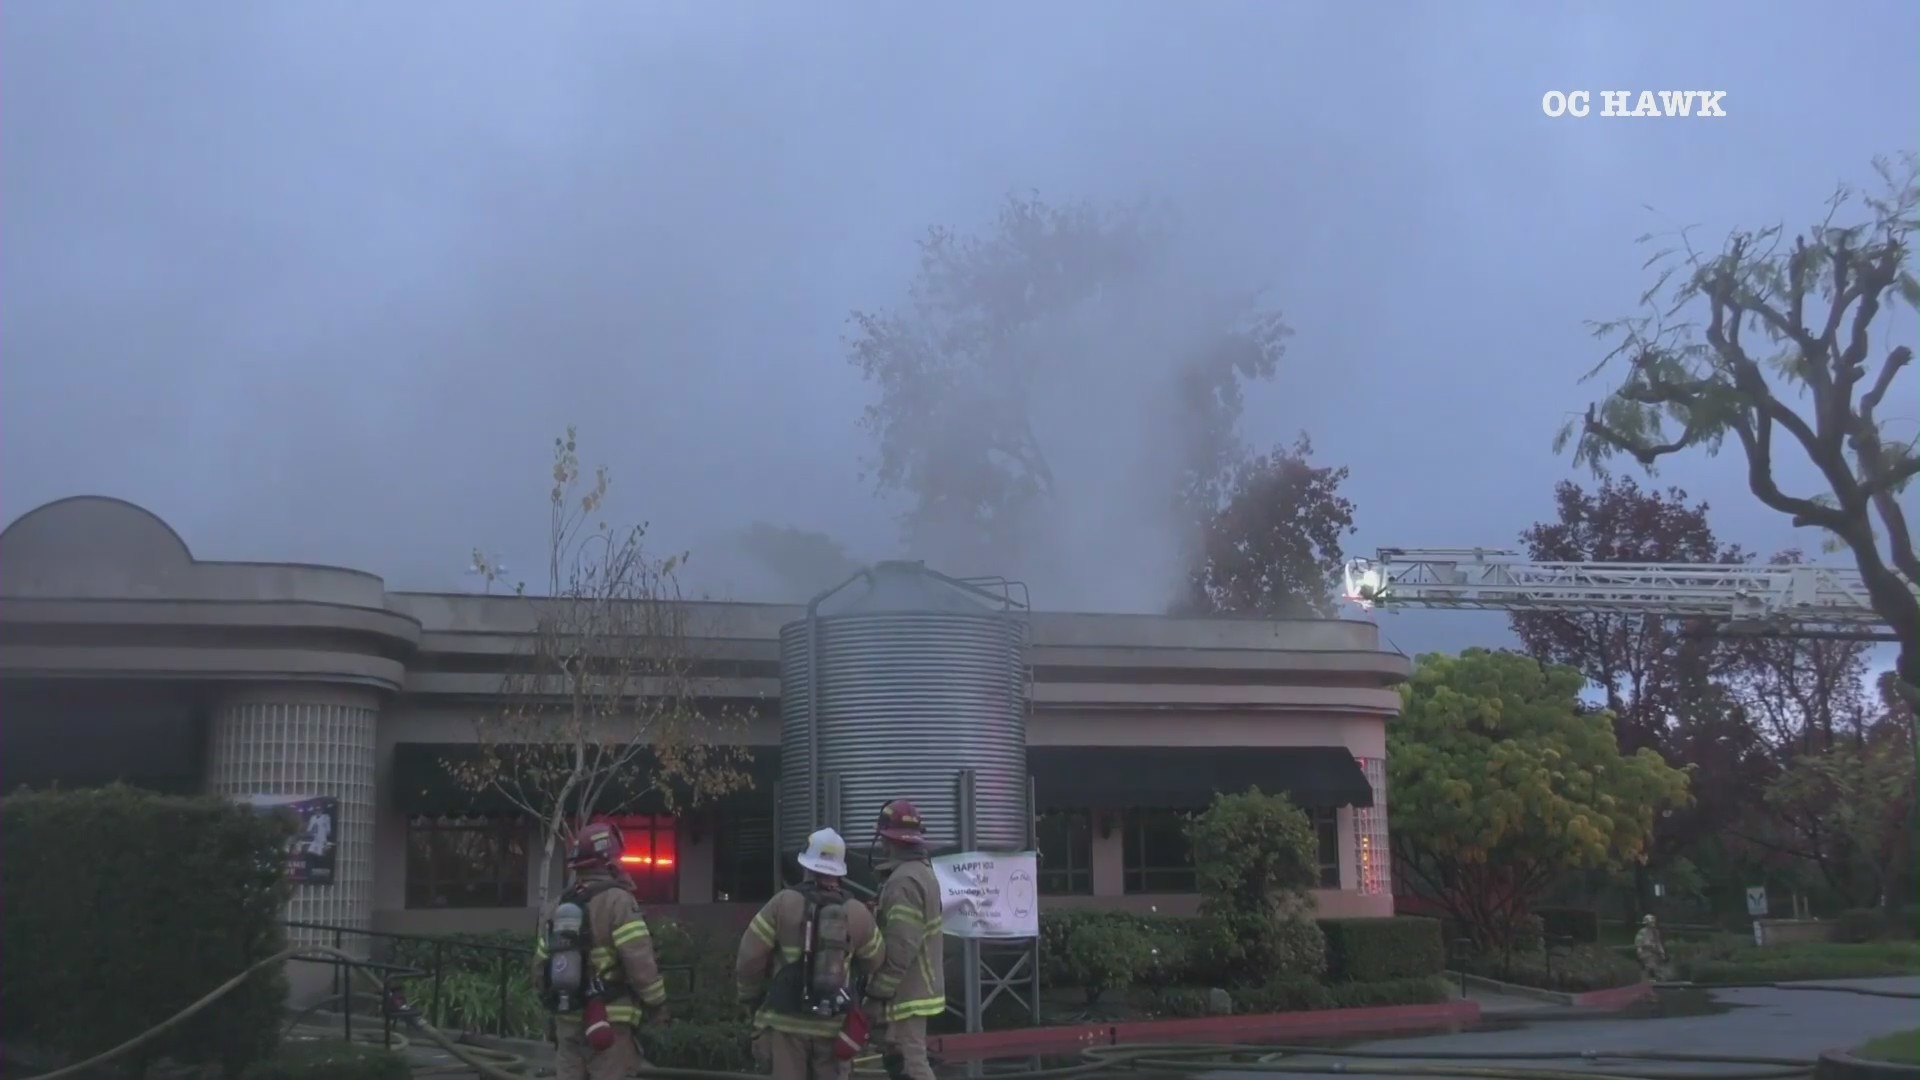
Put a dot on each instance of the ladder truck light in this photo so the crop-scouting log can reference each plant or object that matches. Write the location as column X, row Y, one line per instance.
column 1366, row 583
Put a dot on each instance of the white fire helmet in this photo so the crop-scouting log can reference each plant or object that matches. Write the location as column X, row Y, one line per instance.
column 826, row 854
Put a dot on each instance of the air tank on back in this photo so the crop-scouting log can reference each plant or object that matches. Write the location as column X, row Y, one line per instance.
column 893, row 684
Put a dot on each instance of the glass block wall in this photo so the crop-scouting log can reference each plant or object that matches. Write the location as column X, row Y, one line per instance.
column 1371, row 855
column 308, row 748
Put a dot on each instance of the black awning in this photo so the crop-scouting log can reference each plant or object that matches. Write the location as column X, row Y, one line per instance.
column 1187, row 777
column 423, row 785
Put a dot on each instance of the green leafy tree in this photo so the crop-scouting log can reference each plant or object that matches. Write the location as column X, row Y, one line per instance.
column 1502, row 783
column 1255, row 856
column 1851, row 811
column 601, row 708
column 1771, row 344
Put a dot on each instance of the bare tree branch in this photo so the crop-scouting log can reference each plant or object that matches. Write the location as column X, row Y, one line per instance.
column 602, row 708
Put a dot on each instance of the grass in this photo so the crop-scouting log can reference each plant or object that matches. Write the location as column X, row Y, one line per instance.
column 1901, row 1047
column 1731, row 958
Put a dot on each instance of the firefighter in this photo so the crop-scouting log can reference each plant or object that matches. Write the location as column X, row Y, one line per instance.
column 797, row 969
column 1650, row 949
column 594, row 962
column 910, row 984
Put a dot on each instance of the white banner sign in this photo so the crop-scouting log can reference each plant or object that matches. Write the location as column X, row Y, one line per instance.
column 990, row 894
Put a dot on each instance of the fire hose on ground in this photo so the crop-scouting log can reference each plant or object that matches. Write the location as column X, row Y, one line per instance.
column 1172, row 1058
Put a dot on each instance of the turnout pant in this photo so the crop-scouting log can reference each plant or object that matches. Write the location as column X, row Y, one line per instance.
column 573, row 1059
column 798, row 1057
column 903, row 1049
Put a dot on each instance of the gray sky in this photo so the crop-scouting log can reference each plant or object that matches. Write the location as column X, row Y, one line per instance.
column 318, row 282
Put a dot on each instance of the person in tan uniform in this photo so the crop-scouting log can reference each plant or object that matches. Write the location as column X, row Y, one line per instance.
column 799, row 966
column 595, row 965
column 910, row 984
column 1651, row 950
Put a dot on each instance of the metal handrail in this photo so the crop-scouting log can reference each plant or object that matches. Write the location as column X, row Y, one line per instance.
column 435, row 971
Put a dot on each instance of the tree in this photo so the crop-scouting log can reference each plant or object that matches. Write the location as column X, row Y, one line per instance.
column 1272, row 547
column 1774, row 325
column 1850, row 810
column 1048, row 295
column 802, row 562
column 1641, row 662
column 1654, row 670
column 601, row 708
column 1503, row 783
column 1802, row 692
column 1255, row 857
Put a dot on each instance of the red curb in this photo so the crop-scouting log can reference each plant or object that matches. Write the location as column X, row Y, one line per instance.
column 1617, row 998
column 1258, row 1027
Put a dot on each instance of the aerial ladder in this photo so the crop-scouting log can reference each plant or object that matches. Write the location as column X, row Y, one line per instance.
column 1777, row 600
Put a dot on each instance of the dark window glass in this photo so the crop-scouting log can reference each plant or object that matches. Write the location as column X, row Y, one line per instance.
column 466, row 863
column 651, row 856
column 743, row 865
column 1157, row 857
column 1066, row 853
column 1326, row 831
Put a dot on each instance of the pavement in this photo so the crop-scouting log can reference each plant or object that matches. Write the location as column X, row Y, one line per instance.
column 1759, row 1022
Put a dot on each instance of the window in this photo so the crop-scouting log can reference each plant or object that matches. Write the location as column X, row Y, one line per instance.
column 1066, row 852
column 1157, row 856
column 466, row 863
column 651, row 856
column 1326, row 831
column 743, row 863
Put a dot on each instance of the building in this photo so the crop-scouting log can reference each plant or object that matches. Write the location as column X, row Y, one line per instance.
column 123, row 657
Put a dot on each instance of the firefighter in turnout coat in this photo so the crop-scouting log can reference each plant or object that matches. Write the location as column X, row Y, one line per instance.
column 798, row 968
column 587, row 1046
column 910, row 984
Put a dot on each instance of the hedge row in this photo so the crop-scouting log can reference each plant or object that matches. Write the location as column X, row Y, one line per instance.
column 1357, row 950
column 124, row 907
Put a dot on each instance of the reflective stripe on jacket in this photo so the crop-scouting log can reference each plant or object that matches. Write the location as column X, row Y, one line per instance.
column 622, row 953
column 776, row 938
column 912, row 975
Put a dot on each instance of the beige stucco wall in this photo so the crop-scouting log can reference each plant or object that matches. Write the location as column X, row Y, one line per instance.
column 97, row 591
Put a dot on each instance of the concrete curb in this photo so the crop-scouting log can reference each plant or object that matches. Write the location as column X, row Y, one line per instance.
column 1618, row 997
column 1257, row 1027
column 1840, row 1065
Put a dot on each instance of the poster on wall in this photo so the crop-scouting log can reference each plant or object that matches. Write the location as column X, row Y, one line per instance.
column 989, row 894
column 310, row 852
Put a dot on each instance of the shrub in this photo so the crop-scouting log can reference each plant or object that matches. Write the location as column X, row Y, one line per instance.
column 1573, row 971
column 1103, row 956
column 1178, row 1001
column 1580, row 926
column 327, row 1060
column 467, row 995
column 1529, row 935
column 710, row 1047
column 697, row 963
column 1728, row 958
column 167, row 896
column 1167, row 936
column 1424, row 990
column 1255, row 857
column 1297, row 994
column 1857, row 926
column 1377, row 950
column 1234, row 949
column 1290, row 993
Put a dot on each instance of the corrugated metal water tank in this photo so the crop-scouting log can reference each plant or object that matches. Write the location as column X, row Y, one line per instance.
column 919, row 677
